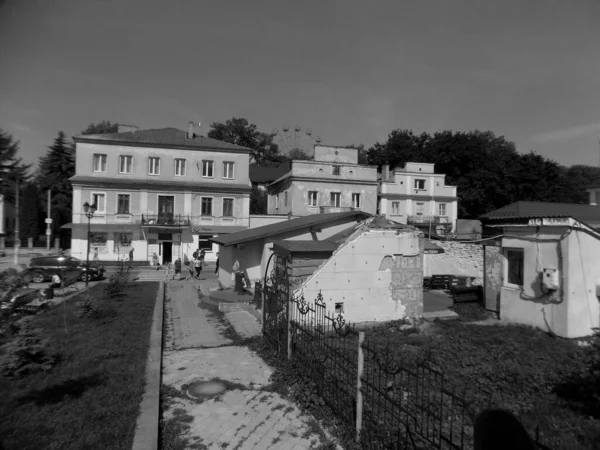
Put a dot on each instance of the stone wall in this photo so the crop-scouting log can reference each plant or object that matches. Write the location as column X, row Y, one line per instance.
column 462, row 259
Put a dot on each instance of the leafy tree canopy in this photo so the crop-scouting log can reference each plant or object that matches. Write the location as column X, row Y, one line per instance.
column 105, row 126
column 240, row 132
column 298, row 154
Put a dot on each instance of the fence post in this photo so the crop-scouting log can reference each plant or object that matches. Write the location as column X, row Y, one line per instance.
column 262, row 306
column 359, row 396
column 289, row 327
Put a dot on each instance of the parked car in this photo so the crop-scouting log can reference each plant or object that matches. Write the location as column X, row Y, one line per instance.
column 42, row 268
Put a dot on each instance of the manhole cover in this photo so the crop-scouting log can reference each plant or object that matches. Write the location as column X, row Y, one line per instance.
column 206, row 388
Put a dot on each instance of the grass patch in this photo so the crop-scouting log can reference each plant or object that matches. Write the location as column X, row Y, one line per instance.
column 90, row 398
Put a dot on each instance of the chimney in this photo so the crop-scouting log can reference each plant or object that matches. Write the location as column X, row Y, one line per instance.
column 190, row 133
column 127, row 128
column 385, row 172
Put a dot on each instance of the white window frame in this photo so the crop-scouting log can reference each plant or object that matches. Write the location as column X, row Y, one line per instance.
column 417, row 213
column 157, row 166
column 226, row 173
column 101, row 157
column 336, row 168
column 212, row 207
column 338, row 196
column 316, row 199
column 356, row 200
column 397, row 212
column 418, row 183
column 232, row 207
column 212, row 168
column 277, row 201
column 443, row 206
column 117, row 202
column 180, row 163
column 103, row 211
column 123, row 158
column 505, row 252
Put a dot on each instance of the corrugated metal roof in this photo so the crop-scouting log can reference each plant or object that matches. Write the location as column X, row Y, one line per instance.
column 169, row 137
column 286, row 226
column 527, row 210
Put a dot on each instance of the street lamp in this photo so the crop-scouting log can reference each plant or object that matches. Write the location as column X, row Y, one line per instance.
column 89, row 211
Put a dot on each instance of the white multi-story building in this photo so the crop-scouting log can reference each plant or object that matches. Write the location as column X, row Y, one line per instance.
column 418, row 196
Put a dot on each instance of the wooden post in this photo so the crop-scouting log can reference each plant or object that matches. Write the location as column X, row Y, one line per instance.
column 359, row 396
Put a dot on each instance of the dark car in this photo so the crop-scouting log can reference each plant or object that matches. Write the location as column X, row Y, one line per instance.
column 43, row 268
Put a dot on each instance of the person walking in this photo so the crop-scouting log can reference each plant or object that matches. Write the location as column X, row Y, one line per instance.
column 177, row 268
column 217, row 268
column 202, row 255
column 96, row 254
column 198, row 267
column 191, row 269
column 155, row 260
column 131, row 255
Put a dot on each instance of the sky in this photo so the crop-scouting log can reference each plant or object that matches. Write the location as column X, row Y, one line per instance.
column 350, row 71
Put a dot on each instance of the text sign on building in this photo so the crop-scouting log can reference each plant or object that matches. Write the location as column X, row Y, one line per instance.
column 551, row 221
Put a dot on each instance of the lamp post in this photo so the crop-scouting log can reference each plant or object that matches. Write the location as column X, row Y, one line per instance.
column 89, row 211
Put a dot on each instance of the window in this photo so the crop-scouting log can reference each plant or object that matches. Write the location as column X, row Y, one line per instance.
column 420, row 208
column 335, row 199
column 123, row 203
column 179, row 167
column 99, row 201
column 442, row 209
column 122, row 242
column 356, row 200
column 125, row 163
column 154, row 166
column 277, row 201
column 285, row 196
column 99, row 163
column 312, row 198
column 205, row 243
column 208, row 168
column 395, row 208
column 419, row 184
column 336, row 170
column 227, row 207
column 206, row 206
column 228, row 170
column 514, row 266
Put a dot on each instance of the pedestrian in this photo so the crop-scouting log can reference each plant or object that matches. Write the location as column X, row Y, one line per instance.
column 198, row 267
column 177, row 268
column 195, row 254
column 96, row 254
column 155, row 260
column 191, row 268
column 217, row 268
column 131, row 255
column 202, row 255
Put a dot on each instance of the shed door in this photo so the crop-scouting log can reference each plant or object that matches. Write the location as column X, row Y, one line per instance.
column 492, row 278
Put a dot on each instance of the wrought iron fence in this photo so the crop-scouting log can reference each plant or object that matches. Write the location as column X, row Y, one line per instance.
column 392, row 403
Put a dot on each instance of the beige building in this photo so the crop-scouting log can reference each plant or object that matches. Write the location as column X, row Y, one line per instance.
column 333, row 182
column 418, row 196
column 160, row 191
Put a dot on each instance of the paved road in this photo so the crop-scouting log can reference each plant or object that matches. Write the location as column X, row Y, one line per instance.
column 242, row 416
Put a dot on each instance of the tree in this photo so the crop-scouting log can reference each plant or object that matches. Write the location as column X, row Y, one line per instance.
column 11, row 166
column 298, row 154
column 238, row 131
column 56, row 167
column 258, row 201
column 29, row 212
column 102, row 127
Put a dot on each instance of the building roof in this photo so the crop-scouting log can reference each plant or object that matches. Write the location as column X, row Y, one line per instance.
column 286, row 226
column 325, row 246
column 530, row 210
column 161, row 137
column 267, row 174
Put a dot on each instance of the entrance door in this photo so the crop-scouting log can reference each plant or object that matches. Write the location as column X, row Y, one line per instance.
column 167, row 252
column 166, row 206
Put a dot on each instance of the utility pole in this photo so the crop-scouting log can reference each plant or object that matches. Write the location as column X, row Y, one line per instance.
column 48, row 223
column 17, row 242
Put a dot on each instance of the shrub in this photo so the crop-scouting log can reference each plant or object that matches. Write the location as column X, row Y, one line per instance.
column 118, row 282
column 88, row 308
column 10, row 281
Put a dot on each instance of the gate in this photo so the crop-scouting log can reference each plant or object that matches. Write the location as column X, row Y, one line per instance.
column 276, row 291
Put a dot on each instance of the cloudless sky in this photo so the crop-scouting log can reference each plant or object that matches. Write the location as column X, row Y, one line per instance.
column 352, row 71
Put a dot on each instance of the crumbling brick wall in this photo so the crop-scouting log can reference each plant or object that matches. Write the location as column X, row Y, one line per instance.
column 462, row 259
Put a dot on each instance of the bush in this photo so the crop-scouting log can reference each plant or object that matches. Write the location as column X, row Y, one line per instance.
column 88, row 308
column 118, row 282
column 10, row 281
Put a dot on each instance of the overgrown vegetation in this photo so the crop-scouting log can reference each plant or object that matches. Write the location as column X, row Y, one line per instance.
column 119, row 282
column 88, row 396
column 88, row 307
column 11, row 280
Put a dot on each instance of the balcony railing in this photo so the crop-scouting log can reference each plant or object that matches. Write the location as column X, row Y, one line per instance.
column 427, row 219
column 166, row 219
column 335, row 209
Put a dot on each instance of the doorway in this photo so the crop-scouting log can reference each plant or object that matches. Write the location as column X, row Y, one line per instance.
column 167, row 252
column 166, row 206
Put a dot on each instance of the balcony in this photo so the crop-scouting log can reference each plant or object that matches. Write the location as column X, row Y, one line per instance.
column 411, row 220
column 166, row 219
column 335, row 209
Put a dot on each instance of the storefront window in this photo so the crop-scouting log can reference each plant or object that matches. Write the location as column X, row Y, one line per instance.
column 205, row 243
column 98, row 241
column 122, row 242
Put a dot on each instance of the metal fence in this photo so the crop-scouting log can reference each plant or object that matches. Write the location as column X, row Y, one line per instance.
column 391, row 403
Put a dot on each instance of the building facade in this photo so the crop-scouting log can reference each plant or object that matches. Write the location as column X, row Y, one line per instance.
column 416, row 195
column 332, row 182
column 160, row 191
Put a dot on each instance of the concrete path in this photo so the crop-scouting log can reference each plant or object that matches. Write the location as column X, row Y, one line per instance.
column 221, row 396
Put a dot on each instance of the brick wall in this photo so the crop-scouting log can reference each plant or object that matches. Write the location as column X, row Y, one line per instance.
column 459, row 259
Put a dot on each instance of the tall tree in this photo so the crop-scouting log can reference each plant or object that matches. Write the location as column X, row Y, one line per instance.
column 258, row 201
column 56, row 167
column 106, row 126
column 298, row 154
column 30, row 213
column 11, row 166
column 240, row 132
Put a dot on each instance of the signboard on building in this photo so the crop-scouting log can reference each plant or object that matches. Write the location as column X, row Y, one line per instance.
column 550, row 221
